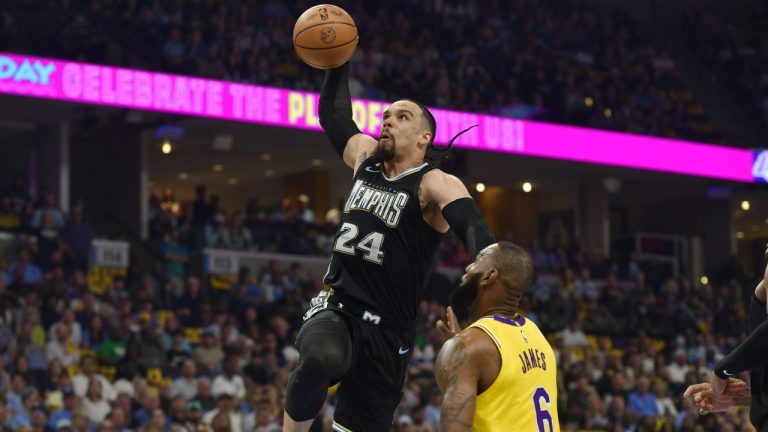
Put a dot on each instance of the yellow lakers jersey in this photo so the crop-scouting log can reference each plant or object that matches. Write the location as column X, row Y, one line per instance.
column 524, row 395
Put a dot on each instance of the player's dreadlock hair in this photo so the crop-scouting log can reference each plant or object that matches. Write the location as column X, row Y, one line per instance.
column 445, row 151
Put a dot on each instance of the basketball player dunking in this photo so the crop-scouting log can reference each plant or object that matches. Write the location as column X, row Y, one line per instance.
column 360, row 329
column 499, row 374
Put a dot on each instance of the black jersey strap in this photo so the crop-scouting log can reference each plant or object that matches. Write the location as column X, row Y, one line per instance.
column 466, row 221
column 335, row 108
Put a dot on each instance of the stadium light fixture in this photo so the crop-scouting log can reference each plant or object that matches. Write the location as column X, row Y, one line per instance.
column 480, row 187
column 167, row 147
column 745, row 205
column 527, row 187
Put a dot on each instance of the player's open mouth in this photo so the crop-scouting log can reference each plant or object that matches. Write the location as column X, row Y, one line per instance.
column 384, row 136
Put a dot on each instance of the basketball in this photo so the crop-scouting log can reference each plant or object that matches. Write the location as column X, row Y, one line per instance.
column 325, row 36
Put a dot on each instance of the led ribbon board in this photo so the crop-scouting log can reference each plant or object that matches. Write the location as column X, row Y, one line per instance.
column 142, row 90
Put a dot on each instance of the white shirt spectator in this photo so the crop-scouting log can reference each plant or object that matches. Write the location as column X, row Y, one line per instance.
column 678, row 369
column 96, row 411
column 75, row 331
column 66, row 352
column 233, row 385
column 62, row 347
column 665, row 407
column 80, row 384
column 235, row 419
column 573, row 336
column 187, row 388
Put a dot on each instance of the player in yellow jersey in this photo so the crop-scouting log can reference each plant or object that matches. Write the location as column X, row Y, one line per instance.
column 498, row 374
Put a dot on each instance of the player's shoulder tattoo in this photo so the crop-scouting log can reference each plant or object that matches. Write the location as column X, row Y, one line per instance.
column 448, row 370
column 457, row 402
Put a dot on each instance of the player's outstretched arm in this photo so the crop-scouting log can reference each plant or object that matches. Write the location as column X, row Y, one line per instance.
column 458, row 210
column 335, row 112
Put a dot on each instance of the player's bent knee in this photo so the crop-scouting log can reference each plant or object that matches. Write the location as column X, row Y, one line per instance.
column 307, row 389
column 321, row 362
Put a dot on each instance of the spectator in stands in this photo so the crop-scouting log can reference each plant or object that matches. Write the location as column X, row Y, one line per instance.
column 174, row 50
column 95, row 406
column 48, row 211
column 10, row 220
column 432, row 409
column 22, row 270
column 14, row 398
column 239, row 235
column 151, row 402
column 205, row 394
column 584, row 286
column 194, row 415
column 125, row 405
column 641, row 401
column 679, row 369
column 179, row 352
column 229, row 381
column 177, row 413
column 54, row 378
column 75, row 329
column 77, row 236
column 304, row 211
column 222, row 422
column 209, row 354
column 201, row 210
column 117, row 417
column 573, row 335
column 245, row 290
column 190, row 305
column 664, row 405
column 217, row 232
column 62, row 348
column 71, row 404
column 186, row 385
column 176, row 256
column 81, row 381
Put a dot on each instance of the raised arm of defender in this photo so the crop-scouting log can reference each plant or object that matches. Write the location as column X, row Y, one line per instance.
column 335, row 112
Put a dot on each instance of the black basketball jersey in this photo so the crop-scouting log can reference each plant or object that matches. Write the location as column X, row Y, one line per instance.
column 384, row 250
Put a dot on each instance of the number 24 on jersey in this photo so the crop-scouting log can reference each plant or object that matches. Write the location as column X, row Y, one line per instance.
column 370, row 245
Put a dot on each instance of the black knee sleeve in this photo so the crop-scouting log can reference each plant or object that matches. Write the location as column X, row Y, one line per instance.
column 325, row 351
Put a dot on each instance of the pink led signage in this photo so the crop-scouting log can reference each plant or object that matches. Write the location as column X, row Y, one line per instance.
column 142, row 90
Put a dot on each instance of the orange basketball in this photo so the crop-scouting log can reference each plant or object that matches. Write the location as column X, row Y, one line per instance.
column 325, row 36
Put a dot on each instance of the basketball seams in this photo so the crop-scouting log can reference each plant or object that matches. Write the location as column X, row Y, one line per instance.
column 320, row 24
column 334, row 31
column 329, row 47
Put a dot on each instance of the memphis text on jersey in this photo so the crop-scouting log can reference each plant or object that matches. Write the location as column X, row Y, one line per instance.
column 387, row 206
column 532, row 359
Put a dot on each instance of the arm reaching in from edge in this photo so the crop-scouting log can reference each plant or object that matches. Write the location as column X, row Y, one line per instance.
column 736, row 393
